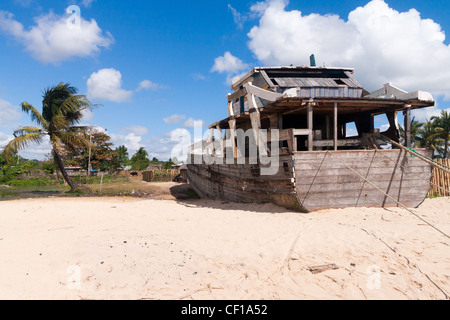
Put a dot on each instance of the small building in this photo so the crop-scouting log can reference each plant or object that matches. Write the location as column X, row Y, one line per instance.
column 152, row 167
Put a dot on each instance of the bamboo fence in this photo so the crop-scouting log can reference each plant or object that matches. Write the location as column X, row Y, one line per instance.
column 441, row 179
column 164, row 175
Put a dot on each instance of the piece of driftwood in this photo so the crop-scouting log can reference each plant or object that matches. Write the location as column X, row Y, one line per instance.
column 320, row 269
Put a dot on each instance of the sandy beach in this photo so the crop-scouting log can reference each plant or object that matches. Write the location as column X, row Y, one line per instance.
column 124, row 248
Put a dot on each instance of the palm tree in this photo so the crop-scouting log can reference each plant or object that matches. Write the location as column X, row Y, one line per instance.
column 427, row 137
column 442, row 129
column 62, row 110
column 416, row 126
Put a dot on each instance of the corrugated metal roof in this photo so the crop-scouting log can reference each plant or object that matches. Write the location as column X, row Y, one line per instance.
column 316, row 83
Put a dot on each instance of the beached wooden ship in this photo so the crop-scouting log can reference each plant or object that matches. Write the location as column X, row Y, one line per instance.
column 321, row 164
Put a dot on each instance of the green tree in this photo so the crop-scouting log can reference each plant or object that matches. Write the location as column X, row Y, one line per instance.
column 100, row 154
column 416, row 127
column 62, row 111
column 121, row 159
column 442, row 129
column 428, row 139
column 168, row 164
column 140, row 160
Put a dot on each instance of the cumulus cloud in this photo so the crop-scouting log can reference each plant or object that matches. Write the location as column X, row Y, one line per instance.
column 106, row 84
column 174, row 119
column 381, row 43
column 9, row 114
column 132, row 141
column 52, row 40
column 149, row 85
column 230, row 65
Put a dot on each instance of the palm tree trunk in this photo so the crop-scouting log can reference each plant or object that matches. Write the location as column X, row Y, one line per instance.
column 446, row 149
column 65, row 175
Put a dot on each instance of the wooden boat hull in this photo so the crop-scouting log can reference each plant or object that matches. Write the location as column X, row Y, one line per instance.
column 309, row 181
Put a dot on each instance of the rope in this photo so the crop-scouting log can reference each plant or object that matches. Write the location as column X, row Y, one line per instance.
column 409, row 172
column 390, row 197
column 415, row 153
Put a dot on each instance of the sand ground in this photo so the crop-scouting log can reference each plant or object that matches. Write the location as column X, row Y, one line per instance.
column 123, row 248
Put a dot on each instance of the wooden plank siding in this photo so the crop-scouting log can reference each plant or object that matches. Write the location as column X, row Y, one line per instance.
column 243, row 183
column 323, row 181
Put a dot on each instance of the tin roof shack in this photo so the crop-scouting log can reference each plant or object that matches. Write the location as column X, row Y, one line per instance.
column 312, row 107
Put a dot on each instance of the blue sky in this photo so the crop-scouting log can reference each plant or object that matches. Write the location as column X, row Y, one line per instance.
column 157, row 66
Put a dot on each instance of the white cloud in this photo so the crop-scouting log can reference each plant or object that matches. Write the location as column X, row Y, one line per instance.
column 87, row 3
column 174, row 119
column 239, row 19
column 4, row 139
column 132, row 141
column 51, row 40
column 9, row 114
column 149, row 85
column 230, row 65
column 425, row 114
column 37, row 151
column 192, row 123
column 137, row 130
column 106, row 84
column 88, row 115
column 382, row 44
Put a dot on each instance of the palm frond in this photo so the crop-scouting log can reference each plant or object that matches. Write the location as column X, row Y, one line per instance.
column 35, row 115
column 21, row 142
column 74, row 139
column 25, row 130
column 58, row 123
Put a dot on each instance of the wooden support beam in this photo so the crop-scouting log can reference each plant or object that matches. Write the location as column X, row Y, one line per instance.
column 222, row 144
column 213, row 149
column 310, row 126
column 335, row 119
column 232, row 124
column 407, row 114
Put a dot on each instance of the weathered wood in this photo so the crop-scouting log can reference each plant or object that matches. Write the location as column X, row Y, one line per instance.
column 310, row 127
column 335, row 126
column 320, row 269
column 407, row 114
column 340, row 143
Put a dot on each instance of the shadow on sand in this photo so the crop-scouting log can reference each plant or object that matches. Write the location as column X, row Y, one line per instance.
column 185, row 195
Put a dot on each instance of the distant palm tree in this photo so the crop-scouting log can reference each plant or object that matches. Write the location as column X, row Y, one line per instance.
column 62, row 110
column 427, row 137
column 442, row 130
column 416, row 126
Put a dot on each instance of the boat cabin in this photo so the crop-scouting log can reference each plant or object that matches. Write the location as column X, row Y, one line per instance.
column 313, row 107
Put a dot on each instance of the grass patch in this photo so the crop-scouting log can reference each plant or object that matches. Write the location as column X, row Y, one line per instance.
column 31, row 182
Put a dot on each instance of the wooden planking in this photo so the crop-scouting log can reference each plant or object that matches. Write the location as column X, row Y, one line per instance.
column 242, row 183
column 326, row 182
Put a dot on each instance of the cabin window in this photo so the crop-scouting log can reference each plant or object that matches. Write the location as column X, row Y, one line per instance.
column 382, row 122
column 339, row 82
column 350, row 130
